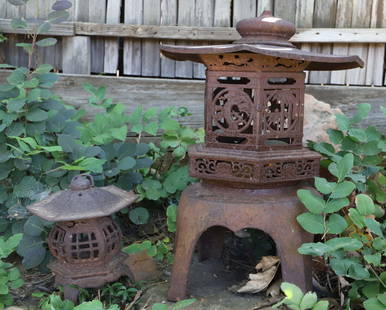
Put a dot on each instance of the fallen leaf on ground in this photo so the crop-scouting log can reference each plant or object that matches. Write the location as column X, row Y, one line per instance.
column 266, row 271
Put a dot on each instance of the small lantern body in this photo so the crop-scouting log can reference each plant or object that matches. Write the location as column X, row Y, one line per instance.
column 85, row 241
column 87, row 252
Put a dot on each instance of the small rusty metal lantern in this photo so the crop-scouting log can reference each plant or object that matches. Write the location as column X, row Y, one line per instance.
column 252, row 160
column 85, row 240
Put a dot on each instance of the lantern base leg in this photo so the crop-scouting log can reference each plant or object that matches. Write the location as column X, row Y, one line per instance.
column 71, row 293
column 205, row 210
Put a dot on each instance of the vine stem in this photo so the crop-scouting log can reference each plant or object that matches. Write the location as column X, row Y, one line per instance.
column 376, row 275
column 30, row 55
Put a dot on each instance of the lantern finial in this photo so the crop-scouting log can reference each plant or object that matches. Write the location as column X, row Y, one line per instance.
column 265, row 29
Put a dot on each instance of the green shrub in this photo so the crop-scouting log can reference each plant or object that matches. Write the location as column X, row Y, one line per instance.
column 348, row 210
column 45, row 142
column 10, row 278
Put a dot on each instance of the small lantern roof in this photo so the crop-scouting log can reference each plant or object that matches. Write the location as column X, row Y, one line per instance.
column 82, row 201
column 265, row 35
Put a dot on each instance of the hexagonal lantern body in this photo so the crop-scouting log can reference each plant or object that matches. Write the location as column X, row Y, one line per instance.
column 254, row 105
column 85, row 241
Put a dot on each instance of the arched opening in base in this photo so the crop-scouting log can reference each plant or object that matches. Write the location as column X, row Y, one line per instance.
column 223, row 260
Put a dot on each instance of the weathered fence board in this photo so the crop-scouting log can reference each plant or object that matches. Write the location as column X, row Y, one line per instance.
column 132, row 55
column 186, row 11
column 168, row 17
column 113, row 13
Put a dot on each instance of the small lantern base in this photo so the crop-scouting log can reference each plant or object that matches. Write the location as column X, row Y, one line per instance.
column 90, row 275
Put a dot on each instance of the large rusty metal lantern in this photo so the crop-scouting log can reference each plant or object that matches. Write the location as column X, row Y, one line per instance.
column 85, row 241
column 252, row 161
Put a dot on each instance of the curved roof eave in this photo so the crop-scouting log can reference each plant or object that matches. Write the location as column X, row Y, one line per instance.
column 317, row 61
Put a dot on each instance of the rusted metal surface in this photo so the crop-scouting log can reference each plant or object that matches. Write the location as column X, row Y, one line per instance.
column 85, row 241
column 82, row 201
column 252, row 161
column 273, row 211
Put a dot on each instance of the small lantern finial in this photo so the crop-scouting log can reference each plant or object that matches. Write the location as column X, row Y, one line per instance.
column 81, row 182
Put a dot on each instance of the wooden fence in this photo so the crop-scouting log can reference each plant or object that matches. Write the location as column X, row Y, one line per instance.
column 123, row 36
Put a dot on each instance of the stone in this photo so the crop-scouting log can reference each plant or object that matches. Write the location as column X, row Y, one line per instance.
column 142, row 267
column 14, row 308
column 318, row 117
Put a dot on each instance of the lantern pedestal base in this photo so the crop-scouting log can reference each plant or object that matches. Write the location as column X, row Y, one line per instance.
column 90, row 275
column 205, row 207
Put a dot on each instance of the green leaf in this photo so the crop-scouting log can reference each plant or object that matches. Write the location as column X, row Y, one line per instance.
column 345, row 243
column 374, row 259
column 15, row 105
column 4, row 289
column 137, row 247
column 46, row 42
column 18, row 23
column 321, row 305
column 139, row 216
column 313, row 223
column 34, row 226
column 336, row 224
column 334, row 205
column 37, row 115
column 151, row 128
column 374, row 226
column 365, row 204
column 336, row 136
column 358, row 134
column 26, row 46
column 373, row 304
column 316, row 249
column 32, row 251
column 343, row 122
column 92, row 164
column 313, row 203
column 119, row 133
column 12, row 243
column 379, row 244
column 56, row 17
column 43, row 27
column 323, row 186
column 126, row 163
column 159, row 306
column 90, row 305
column 17, row 76
column 16, row 284
column 308, row 301
column 363, row 110
column 170, row 125
column 44, row 68
column 184, row 303
column 341, row 168
column 343, row 189
column 356, row 217
column 293, row 293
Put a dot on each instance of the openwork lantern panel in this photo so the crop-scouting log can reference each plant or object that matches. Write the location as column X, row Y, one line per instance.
column 254, row 111
column 80, row 242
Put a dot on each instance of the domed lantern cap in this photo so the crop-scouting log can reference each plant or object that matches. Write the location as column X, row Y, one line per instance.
column 265, row 35
column 82, row 201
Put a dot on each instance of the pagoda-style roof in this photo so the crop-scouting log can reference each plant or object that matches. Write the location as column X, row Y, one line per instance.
column 82, row 201
column 265, row 35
